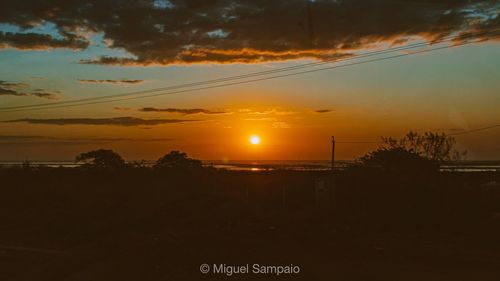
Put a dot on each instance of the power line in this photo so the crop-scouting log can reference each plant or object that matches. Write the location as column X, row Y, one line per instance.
column 475, row 130
column 241, row 82
column 124, row 96
column 236, row 77
column 368, row 54
column 448, row 135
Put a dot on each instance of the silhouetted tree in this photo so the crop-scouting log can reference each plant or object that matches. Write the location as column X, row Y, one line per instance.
column 102, row 159
column 413, row 152
column 397, row 159
column 433, row 146
column 177, row 160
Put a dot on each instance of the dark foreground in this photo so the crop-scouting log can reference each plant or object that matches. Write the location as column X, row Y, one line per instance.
column 141, row 224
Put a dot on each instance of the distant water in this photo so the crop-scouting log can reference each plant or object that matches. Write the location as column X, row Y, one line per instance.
column 265, row 165
column 292, row 165
column 324, row 165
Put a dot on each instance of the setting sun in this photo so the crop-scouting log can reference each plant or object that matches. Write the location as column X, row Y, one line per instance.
column 255, row 140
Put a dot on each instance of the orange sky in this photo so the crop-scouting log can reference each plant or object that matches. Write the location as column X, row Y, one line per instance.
column 49, row 60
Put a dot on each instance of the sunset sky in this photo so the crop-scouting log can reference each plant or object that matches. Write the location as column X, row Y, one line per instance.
column 57, row 51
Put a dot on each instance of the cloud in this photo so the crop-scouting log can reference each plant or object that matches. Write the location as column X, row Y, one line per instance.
column 36, row 41
column 12, row 85
column 46, row 95
column 17, row 89
column 182, row 111
column 260, row 119
column 238, row 31
column 20, row 137
column 9, row 89
column 116, row 121
column 281, row 125
column 30, row 140
column 34, row 137
column 272, row 111
column 122, row 108
column 324, row 110
column 217, row 57
column 122, row 81
column 9, row 92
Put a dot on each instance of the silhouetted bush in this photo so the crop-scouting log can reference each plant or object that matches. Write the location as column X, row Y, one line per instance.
column 101, row 159
column 429, row 145
column 396, row 159
column 177, row 160
column 414, row 153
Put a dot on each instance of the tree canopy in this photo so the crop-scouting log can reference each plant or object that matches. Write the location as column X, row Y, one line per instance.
column 102, row 159
column 433, row 146
column 178, row 160
column 414, row 151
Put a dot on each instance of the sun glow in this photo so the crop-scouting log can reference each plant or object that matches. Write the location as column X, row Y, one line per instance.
column 255, row 140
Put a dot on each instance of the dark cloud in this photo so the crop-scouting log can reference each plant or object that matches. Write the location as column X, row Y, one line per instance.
column 122, row 81
column 116, row 121
column 27, row 140
column 17, row 89
column 9, row 89
column 242, row 31
column 219, row 56
column 46, row 95
column 122, row 108
column 36, row 41
column 20, row 137
column 12, row 85
column 38, row 138
column 323, row 110
column 180, row 110
column 9, row 92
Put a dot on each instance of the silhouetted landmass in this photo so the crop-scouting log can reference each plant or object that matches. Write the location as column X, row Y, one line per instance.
column 143, row 223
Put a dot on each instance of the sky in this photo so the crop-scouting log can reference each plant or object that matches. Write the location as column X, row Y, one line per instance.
column 58, row 52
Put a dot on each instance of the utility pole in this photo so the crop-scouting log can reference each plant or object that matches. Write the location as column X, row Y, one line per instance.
column 332, row 185
column 333, row 153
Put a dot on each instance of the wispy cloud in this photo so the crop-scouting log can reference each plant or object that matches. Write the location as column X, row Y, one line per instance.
column 281, row 125
column 20, row 137
column 116, row 121
column 19, row 89
column 260, row 119
column 111, row 81
column 324, row 110
column 271, row 111
column 11, row 89
column 100, row 139
column 122, row 108
column 33, row 140
column 46, row 95
column 184, row 111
